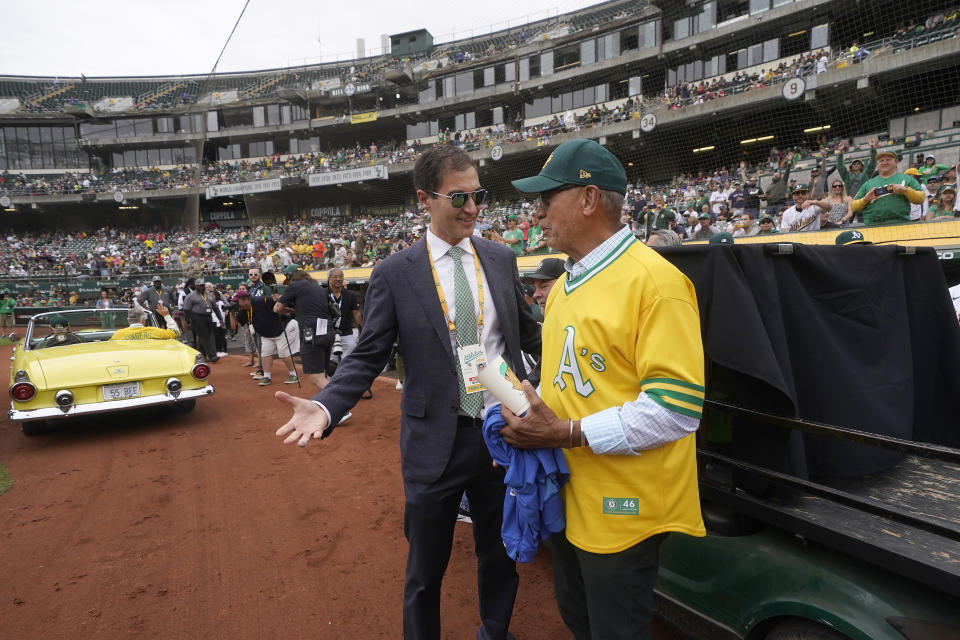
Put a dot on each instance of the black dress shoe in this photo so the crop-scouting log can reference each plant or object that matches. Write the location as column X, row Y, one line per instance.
column 213, row 360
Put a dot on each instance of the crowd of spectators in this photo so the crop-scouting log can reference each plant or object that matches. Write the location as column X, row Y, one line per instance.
column 692, row 205
column 681, row 95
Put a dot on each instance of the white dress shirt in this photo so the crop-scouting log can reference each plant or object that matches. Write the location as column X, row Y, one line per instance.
column 491, row 335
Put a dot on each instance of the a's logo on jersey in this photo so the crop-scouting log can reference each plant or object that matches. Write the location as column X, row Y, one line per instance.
column 570, row 366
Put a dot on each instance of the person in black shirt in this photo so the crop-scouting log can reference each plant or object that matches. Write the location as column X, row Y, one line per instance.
column 346, row 301
column 310, row 301
column 275, row 339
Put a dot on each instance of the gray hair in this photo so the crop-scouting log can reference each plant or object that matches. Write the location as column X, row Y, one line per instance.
column 612, row 202
column 663, row 238
column 136, row 316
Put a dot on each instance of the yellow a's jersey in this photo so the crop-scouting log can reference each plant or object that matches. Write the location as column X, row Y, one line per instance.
column 143, row 333
column 629, row 324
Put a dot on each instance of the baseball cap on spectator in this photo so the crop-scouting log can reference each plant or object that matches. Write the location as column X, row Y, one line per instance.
column 290, row 269
column 241, row 294
column 933, row 178
column 929, row 156
column 851, row 236
column 721, row 238
column 886, row 152
column 577, row 162
column 156, row 279
column 948, row 187
column 911, row 172
column 800, row 186
column 703, row 216
column 766, row 219
column 548, row 269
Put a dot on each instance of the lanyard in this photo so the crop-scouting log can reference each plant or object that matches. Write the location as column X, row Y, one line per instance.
column 443, row 300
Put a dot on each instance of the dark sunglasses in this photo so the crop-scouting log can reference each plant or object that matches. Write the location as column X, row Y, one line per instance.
column 459, row 199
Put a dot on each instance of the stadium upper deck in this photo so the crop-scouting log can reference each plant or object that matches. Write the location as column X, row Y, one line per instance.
column 655, row 54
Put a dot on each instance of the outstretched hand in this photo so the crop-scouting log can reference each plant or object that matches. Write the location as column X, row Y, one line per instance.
column 308, row 421
column 540, row 428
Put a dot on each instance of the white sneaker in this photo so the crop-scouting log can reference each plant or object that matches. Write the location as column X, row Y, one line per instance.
column 399, row 386
column 222, row 354
column 345, row 417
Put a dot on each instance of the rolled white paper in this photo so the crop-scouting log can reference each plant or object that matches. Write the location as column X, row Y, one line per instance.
column 499, row 380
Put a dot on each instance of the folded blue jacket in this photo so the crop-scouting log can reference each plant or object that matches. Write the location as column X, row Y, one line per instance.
column 532, row 506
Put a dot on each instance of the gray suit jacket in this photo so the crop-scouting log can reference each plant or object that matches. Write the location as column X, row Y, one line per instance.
column 402, row 305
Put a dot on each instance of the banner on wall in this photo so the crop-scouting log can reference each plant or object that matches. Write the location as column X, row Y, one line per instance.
column 358, row 118
column 241, row 188
column 327, row 212
column 376, row 172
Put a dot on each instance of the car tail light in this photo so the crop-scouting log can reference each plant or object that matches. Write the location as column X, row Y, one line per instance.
column 23, row 391
column 201, row 371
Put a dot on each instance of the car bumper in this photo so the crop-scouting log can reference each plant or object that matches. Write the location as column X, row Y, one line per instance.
column 53, row 413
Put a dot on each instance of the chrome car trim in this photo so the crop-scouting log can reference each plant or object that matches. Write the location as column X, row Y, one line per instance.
column 109, row 405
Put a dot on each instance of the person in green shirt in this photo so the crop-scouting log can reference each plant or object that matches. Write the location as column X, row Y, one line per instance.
column 660, row 217
column 536, row 243
column 887, row 198
column 929, row 168
column 513, row 236
column 767, row 227
column 7, row 304
column 942, row 207
column 858, row 173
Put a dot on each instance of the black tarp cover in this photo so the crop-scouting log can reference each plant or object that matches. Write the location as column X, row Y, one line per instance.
column 858, row 336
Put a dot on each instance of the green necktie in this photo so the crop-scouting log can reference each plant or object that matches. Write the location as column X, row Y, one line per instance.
column 471, row 403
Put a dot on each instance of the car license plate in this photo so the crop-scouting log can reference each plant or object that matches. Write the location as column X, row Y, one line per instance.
column 121, row 391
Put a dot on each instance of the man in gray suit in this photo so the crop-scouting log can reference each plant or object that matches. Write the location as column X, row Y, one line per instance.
column 441, row 304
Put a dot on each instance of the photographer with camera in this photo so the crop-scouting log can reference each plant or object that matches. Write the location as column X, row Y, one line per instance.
column 349, row 307
column 887, row 197
column 305, row 297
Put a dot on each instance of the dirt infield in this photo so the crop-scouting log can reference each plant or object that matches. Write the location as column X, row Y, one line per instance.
column 204, row 526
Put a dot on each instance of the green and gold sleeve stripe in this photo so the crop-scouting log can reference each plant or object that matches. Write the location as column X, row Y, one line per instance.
column 685, row 398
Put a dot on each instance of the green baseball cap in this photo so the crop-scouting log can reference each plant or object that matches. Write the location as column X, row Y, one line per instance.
column 703, row 216
column 721, row 238
column 577, row 162
column 851, row 236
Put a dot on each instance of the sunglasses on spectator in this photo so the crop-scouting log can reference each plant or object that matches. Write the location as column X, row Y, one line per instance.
column 838, row 186
column 458, row 199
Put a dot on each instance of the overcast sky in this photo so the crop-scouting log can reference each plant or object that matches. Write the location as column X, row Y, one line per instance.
column 141, row 37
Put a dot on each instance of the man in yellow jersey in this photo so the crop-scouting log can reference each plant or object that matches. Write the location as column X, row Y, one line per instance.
column 137, row 330
column 622, row 391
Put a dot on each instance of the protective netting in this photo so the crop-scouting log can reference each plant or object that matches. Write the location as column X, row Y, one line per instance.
column 701, row 96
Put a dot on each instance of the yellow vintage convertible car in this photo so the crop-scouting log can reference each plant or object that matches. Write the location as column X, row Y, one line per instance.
column 67, row 365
